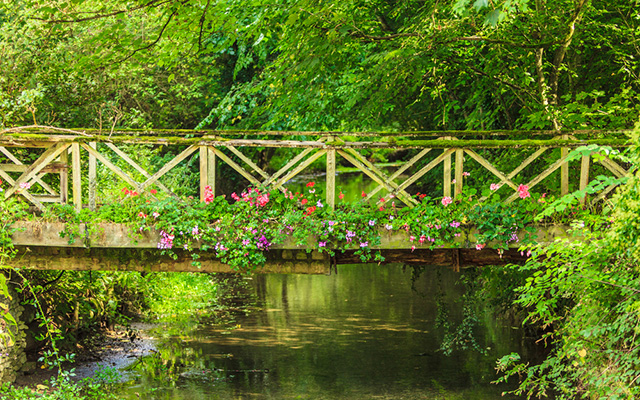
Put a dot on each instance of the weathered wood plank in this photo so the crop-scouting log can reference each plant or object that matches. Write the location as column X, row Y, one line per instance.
column 76, row 176
column 540, row 177
column 248, row 161
column 64, row 178
column 49, row 155
column 614, row 167
column 24, row 193
column 366, row 166
column 288, row 166
column 51, row 168
column 28, row 140
column 487, row 165
column 295, row 171
column 459, row 171
column 138, row 168
column 168, row 166
column 584, row 175
column 119, row 173
column 93, row 177
column 400, row 171
column 222, row 133
column 446, row 177
column 564, row 169
column 424, row 170
column 252, row 179
column 330, row 191
column 207, row 171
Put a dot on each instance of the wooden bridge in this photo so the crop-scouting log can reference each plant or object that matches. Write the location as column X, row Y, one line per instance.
column 75, row 158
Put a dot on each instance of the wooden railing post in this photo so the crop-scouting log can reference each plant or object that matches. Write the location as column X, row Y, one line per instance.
column 77, row 176
column 459, row 171
column 64, row 177
column 207, row 171
column 446, row 183
column 331, row 179
column 93, row 177
column 564, row 169
column 584, row 175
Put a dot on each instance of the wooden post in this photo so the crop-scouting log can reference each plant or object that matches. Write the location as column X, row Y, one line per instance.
column 447, row 174
column 207, row 171
column 459, row 171
column 331, row 179
column 64, row 177
column 564, row 169
column 77, row 176
column 584, row 175
column 93, row 177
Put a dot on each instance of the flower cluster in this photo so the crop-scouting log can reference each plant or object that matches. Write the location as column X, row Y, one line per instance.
column 166, row 240
column 253, row 196
column 208, row 194
column 523, row 191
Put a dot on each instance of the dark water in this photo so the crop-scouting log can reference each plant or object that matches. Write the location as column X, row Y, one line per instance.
column 360, row 334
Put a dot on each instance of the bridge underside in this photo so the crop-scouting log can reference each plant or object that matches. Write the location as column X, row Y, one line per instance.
column 279, row 261
column 112, row 247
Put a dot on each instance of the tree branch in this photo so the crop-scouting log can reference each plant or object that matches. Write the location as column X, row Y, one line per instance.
column 562, row 50
column 164, row 27
column 152, row 3
column 203, row 18
column 473, row 38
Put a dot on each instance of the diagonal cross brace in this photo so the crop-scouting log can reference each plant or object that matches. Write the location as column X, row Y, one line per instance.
column 47, row 157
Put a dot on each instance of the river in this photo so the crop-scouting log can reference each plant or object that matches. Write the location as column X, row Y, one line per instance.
column 363, row 333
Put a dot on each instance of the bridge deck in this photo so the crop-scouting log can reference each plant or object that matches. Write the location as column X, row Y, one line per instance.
column 115, row 247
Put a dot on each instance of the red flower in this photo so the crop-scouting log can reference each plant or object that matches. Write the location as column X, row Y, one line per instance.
column 310, row 210
column 364, row 194
column 153, row 191
column 310, row 184
column 341, row 196
column 304, row 201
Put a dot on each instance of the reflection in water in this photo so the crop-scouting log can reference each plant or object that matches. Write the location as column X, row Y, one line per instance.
column 360, row 334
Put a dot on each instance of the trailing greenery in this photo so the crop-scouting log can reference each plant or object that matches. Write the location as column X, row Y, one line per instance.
column 582, row 295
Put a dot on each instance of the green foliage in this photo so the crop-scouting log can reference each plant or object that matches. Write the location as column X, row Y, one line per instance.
column 582, row 293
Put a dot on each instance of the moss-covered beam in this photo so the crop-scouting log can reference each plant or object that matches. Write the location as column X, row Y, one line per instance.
column 187, row 133
column 40, row 140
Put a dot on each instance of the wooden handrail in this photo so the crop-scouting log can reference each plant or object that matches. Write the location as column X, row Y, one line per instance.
column 451, row 148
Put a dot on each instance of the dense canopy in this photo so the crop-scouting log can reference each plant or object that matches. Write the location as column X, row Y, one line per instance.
column 311, row 65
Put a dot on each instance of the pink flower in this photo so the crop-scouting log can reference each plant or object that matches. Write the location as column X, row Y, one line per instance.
column 466, row 173
column 341, row 196
column 480, row 246
column 494, row 186
column 142, row 215
column 523, row 191
column 25, row 185
column 446, row 201
column 208, row 194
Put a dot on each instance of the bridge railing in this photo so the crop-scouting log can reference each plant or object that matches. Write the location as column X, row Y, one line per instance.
column 63, row 152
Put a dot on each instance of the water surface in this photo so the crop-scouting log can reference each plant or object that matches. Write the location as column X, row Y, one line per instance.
column 360, row 334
